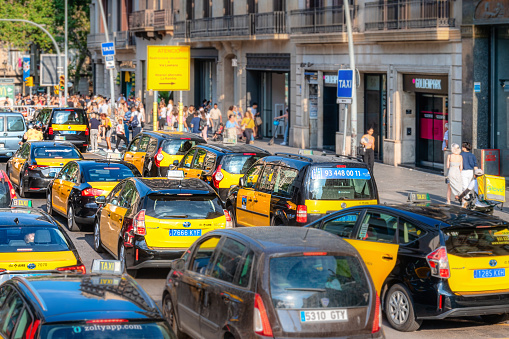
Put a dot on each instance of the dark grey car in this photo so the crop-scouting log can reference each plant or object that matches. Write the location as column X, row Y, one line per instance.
column 12, row 128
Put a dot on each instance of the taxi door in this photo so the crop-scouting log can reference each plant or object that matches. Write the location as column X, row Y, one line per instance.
column 18, row 161
column 196, row 169
column 185, row 164
column 56, row 188
column 105, row 221
column 244, row 206
column 131, row 150
column 126, row 200
column 141, row 153
column 69, row 180
column 375, row 240
column 262, row 195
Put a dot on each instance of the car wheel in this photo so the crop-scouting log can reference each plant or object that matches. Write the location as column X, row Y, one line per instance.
column 123, row 261
column 21, row 187
column 169, row 314
column 98, row 247
column 495, row 318
column 231, row 210
column 49, row 205
column 83, row 149
column 146, row 173
column 71, row 223
column 399, row 309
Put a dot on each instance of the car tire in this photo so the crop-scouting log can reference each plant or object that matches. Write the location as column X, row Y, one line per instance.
column 83, row 150
column 231, row 210
column 169, row 315
column 146, row 174
column 21, row 188
column 71, row 222
column 123, row 260
column 49, row 204
column 399, row 309
column 98, row 247
column 495, row 318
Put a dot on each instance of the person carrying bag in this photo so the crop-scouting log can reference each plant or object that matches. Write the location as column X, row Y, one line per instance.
column 248, row 126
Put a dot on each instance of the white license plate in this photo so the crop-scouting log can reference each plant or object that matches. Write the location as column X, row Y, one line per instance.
column 323, row 316
column 59, row 137
column 185, row 233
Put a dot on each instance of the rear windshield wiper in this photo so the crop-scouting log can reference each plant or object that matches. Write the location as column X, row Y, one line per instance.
column 305, row 289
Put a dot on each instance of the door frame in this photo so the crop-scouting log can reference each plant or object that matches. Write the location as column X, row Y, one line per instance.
column 381, row 123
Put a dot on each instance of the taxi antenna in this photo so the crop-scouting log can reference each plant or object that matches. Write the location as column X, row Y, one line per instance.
column 305, row 235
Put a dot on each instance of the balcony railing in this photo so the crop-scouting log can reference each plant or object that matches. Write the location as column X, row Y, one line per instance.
column 409, row 14
column 141, row 20
column 321, row 20
column 163, row 18
column 269, row 23
column 122, row 39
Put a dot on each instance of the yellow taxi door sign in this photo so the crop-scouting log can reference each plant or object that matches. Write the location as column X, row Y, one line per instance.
column 169, row 68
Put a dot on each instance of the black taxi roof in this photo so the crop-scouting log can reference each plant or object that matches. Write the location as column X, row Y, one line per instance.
column 286, row 239
column 175, row 186
column 88, row 296
column 46, row 143
column 174, row 135
column 22, row 216
column 300, row 161
column 230, row 149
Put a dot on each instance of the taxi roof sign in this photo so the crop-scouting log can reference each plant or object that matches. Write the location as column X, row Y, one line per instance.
column 175, row 174
column 107, row 266
column 419, row 197
column 21, row 203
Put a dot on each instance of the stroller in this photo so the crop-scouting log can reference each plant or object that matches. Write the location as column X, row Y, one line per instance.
column 218, row 136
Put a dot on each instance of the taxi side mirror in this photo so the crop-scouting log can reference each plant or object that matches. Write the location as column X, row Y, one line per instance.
column 242, row 182
column 175, row 163
column 100, row 200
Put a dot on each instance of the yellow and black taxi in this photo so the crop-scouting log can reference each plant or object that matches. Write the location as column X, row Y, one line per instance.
column 147, row 222
column 68, row 124
column 430, row 261
column 221, row 166
column 153, row 152
column 73, row 191
column 271, row 282
column 37, row 163
column 288, row 189
column 32, row 243
column 97, row 305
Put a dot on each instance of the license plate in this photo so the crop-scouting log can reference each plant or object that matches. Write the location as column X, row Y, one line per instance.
column 68, row 132
column 59, row 137
column 490, row 273
column 323, row 316
column 185, row 233
column 2, row 145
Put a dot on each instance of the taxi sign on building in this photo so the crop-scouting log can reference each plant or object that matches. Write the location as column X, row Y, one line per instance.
column 108, row 48
column 345, row 83
column 169, row 68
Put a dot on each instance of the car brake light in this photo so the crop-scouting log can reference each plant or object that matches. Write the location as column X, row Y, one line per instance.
column 32, row 167
column 107, row 321
column 50, row 131
column 377, row 320
column 91, row 192
column 2, row 270
column 217, row 176
column 77, row 268
column 159, row 157
column 86, row 131
column 302, row 213
column 12, row 191
column 139, row 223
column 229, row 223
column 261, row 320
column 314, row 253
column 185, row 138
column 32, row 329
column 249, row 153
column 439, row 263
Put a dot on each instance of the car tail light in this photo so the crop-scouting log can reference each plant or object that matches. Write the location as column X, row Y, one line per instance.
column 314, row 253
column 377, row 320
column 229, row 223
column 217, row 176
column 86, row 131
column 249, row 153
column 76, row 268
column 139, row 223
column 261, row 320
column 302, row 213
column 50, row 131
column 32, row 167
column 159, row 157
column 107, row 321
column 12, row 191
column 32, row 329
column 91, row 192
column 2, row 270
column 129, row 232
column 439, row 263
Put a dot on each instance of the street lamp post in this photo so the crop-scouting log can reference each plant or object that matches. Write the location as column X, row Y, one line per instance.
column 112, row 88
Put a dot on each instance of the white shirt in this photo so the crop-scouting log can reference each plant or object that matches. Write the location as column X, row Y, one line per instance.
column 103, row 109
column 163, row 112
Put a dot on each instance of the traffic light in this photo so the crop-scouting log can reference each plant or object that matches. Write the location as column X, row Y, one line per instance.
column 62, row 82
column 29, row 81
column 133, row 79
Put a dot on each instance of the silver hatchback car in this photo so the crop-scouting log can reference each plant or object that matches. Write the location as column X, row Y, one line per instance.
column 12, row 128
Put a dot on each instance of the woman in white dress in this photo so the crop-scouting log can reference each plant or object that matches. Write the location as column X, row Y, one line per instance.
column 455, row 166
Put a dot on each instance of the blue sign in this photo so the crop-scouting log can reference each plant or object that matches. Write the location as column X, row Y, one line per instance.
column 345, row 83
column 108, row 48
column 477, row 87
column 26, row 68
column 340, row 173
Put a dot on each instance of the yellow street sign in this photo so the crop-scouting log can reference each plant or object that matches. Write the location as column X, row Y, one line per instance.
column 168, row 68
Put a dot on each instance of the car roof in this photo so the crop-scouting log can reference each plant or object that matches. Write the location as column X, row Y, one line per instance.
column 88, row 297
column 89, row 163
column 174, row 135
column 67, row 109
column 175, row 186
column 240, row 148
column 304, row 160
column 25, row 217
column 46, row 143
column 286, row 239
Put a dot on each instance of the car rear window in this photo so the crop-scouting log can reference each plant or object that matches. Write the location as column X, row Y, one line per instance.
column 177, row 146
column 331, row 183
column 31, row 239
column 183, row 207
column 239, row 163
column 68, row 117
column 477, row 242
column 107, row 173
column 55, row 152
column 15, row 124
column 318, row 281
column 106, row 330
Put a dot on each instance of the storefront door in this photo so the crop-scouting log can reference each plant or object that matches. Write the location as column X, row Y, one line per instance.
column 376, row 108
column 432, row 117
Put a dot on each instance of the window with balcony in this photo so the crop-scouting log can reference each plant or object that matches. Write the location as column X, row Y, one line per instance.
column 228, row 8
column 279, row 5
column 207, row 8
column 189, row 9
column 319, row 18
column 252, row 6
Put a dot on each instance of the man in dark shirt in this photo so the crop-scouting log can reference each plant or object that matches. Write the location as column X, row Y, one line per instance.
column 469, row 164
column 94, row 124
column 195, row 124
column 189, row 118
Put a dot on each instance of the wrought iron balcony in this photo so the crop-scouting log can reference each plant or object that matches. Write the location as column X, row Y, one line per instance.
column 141, row 21
column 321, row 20
column 408, row 14
column 122, row 40
column 163, row 19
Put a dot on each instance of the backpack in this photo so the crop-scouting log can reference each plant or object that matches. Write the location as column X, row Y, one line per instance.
column 203, row 123
column 135, row 122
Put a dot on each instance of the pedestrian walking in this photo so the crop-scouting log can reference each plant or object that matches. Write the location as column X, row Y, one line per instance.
column 258, row 121
column 248, row 126
column 215, row 115
column 469, row 165
column 368, row 141
column 445, row 140
column 107, row 131
column 134, row 122
column 94, row 124
column 120, row 134
column 127, row 119
column 285, row 117
column 455, row 166
column 204, row 124
column 162, row 116
column 195, row 123
column 141, row 114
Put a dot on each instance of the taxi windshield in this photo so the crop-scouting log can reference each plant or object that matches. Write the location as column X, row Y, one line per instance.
column 183, row 207
column 477, row 242
column 329, row 183
column 68, row 117
column 177, row 146
column 317, row 281
column 100, row 330
column 107, row 173
column 55, row 152
column 31, row 239
column 240, row 163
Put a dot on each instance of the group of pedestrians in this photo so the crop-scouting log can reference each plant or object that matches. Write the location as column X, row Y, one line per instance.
column 461, row 166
